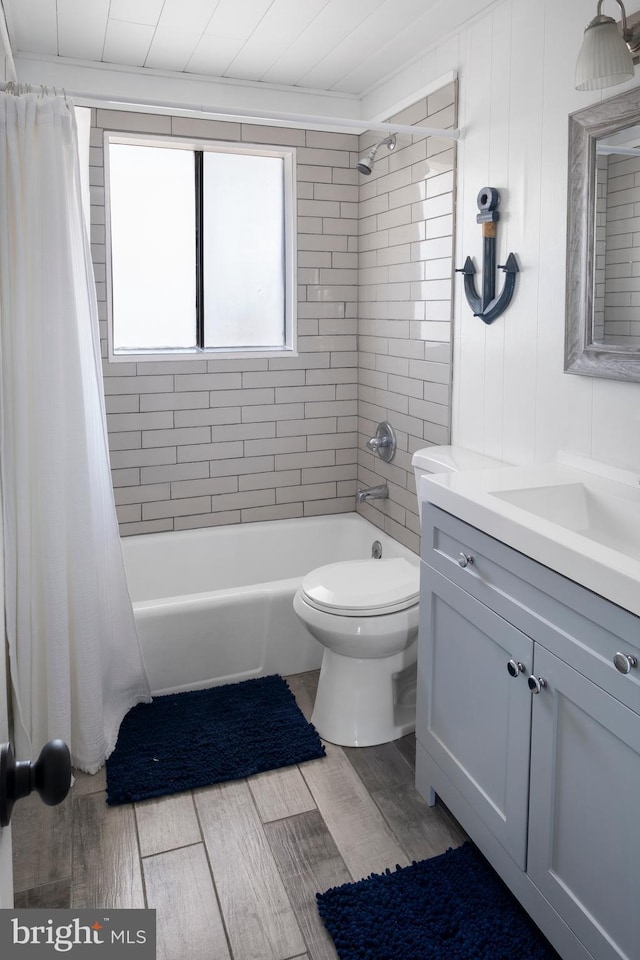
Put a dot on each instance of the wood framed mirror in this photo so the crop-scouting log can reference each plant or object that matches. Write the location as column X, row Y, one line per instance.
column 602, row 334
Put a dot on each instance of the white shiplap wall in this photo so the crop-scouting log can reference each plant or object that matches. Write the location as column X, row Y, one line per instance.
column 511, row 398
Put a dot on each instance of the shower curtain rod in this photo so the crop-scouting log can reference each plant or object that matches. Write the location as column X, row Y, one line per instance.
column 259, row 116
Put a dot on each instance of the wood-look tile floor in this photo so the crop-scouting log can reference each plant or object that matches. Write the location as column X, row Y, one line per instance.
column 232, row 869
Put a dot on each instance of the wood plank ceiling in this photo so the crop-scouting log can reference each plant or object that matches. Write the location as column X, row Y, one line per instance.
column 347, row 46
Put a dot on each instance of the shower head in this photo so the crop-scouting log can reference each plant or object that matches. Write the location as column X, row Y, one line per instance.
column 365, row 164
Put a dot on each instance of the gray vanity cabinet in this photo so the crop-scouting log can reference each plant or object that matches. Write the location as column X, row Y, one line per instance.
column 584, row 823
column 472, row 702
column 546, row 780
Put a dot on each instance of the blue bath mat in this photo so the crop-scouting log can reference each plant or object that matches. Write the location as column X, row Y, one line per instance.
column 185, row 740
column 451, row 907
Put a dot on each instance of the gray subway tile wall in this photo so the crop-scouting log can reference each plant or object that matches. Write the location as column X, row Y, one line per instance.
column 405, row 306
column 617, row 279
column 211, row 441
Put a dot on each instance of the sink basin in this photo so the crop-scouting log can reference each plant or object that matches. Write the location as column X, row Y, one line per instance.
column 576, row 516
column 611, row 520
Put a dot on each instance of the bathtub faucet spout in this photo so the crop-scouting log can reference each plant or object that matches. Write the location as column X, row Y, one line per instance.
column 381, row 492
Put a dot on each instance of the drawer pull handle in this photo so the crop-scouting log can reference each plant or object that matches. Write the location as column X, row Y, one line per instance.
column 464, row 559
column 515, row 668
column 624, row 662
column 536, row 684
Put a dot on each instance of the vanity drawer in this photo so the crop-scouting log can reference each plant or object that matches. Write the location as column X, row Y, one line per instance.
column 575, row 624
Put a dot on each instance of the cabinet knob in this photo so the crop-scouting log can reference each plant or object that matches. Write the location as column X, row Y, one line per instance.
column 536, row 683
column 624, row 662
column 515, row 667
column 464, row 559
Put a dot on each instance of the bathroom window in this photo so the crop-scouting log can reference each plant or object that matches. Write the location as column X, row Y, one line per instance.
column 201, row 248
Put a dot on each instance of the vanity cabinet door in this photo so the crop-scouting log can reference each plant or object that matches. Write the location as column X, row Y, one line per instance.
column 473, row 716
column 584, row 828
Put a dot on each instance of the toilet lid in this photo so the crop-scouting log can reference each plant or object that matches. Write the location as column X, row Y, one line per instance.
column 363, row 587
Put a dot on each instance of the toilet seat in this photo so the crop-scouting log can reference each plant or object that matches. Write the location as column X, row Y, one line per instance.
column 362, row 588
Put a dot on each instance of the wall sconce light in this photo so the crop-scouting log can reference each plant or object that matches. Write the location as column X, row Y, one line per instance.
column 606, row 56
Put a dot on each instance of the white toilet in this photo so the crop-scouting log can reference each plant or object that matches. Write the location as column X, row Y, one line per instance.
column 365, row 614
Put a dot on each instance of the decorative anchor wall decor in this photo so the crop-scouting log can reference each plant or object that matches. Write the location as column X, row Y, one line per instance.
column 488, row 306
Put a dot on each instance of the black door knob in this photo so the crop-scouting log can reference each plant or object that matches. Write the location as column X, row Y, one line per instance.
column 50, row 775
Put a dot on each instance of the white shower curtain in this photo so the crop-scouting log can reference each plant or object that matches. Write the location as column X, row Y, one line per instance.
column 75, row 661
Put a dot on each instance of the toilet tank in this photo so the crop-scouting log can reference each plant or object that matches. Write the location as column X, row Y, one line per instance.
column 448, row 459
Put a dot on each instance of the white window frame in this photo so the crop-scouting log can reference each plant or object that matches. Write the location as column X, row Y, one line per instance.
column 288, row 156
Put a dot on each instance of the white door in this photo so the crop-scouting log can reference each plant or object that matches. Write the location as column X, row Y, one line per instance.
column 6, row 872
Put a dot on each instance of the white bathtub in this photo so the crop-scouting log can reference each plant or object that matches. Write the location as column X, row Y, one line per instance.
column 215, row 605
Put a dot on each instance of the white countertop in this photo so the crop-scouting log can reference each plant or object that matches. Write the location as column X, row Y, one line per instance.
column 578, row 517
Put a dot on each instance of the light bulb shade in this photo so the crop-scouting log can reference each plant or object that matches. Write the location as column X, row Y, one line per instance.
column 605, row 59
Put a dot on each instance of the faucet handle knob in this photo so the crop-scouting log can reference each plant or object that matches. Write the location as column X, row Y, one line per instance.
column 376, row 442
column 384, row 442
